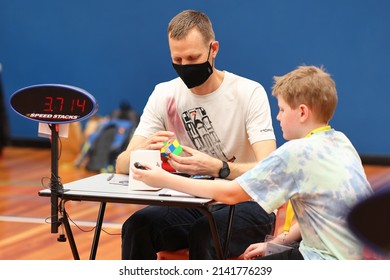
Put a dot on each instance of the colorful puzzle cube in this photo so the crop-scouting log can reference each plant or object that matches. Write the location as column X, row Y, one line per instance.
column 172, row 146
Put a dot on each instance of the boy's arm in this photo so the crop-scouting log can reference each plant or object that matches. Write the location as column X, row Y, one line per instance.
column 258, row 249
column 285, row 238
column 225, row 191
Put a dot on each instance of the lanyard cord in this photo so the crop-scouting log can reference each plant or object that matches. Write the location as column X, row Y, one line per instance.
column 320, row 129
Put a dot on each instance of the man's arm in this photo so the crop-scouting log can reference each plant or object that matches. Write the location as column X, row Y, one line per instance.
column 198, row 163
column 123, row 160
column 261, row 150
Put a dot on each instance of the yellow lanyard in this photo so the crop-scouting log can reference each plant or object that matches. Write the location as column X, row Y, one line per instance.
column 320, row 129
column 289, row 210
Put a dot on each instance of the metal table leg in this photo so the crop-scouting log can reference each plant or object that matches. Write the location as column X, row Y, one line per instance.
column 72, row 243
column 98, row 229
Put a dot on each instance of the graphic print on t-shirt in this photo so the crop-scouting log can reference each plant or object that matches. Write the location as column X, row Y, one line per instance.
column 201, row 132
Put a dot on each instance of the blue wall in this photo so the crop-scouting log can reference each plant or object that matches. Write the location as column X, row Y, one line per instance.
column 118, row 50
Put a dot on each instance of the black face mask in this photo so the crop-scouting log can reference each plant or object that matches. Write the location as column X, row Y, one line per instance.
column 194, row 75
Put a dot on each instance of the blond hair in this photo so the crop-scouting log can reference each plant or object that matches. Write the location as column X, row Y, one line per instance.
column 185, row 21
column 309, row 85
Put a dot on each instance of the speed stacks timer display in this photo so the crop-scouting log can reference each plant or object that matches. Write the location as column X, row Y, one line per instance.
column 54, row 103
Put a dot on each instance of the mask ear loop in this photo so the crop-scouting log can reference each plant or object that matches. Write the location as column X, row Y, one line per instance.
column 208, row 56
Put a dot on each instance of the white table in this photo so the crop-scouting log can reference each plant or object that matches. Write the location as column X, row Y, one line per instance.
column 104, row 188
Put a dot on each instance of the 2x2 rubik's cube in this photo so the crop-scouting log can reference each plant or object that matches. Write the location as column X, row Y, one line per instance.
column 173, row 147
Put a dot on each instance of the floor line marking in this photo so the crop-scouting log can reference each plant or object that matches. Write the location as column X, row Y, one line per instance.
column 46, row 221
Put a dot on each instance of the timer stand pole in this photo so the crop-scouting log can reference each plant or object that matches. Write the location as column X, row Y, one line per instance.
column 55, row 186
column 56, row 190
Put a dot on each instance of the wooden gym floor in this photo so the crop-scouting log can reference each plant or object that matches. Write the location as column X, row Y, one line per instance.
column 25, row 232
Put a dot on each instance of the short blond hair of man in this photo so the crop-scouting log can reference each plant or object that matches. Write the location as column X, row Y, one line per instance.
column 309, row 85
column 182, row 23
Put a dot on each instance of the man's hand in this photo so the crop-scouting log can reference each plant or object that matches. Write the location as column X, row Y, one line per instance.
column 194, row 162
column 156, row 141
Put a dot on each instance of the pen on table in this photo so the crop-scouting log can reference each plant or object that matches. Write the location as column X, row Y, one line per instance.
column 110, row 177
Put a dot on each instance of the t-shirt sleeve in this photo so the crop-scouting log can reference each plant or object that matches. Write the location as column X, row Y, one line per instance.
column 259, row 119
column 269, row 183
column 152, row 119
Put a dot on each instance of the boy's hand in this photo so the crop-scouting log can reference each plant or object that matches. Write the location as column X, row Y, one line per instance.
column 150, row 175
column 253, row 251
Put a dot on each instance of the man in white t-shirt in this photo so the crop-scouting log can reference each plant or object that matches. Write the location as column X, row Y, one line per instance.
column 223, row 121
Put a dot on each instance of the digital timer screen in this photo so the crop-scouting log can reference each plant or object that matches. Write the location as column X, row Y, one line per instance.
column 62, row 104
column 54, row 103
